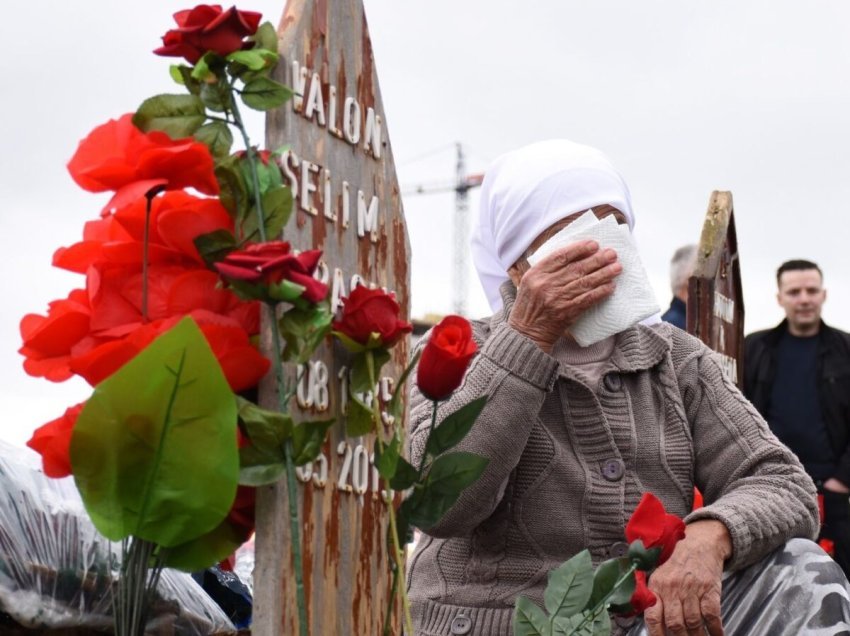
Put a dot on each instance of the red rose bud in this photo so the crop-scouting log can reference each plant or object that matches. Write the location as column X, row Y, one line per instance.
column 272, row 262
column 445, row 358
column 208, row 28
column 642, row 598
column 367, row 311
column 53, row 442
column 651, row 524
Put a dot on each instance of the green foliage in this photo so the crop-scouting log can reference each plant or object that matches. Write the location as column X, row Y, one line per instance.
column 451, row 473
column 303, row 330
column 217, row 136
column 264, row 94
column 529, row 620
column 206, row 550
column 216, row 96
column 277, row 208
column 604, row 579
column 251, row 59
column 361, row 380
column 386, row 461
column 307, row 440
column 404, row 476
column 570, row 586
column 646, row 558
column 182, row 74
column 178, row 116
column 358, row 420
column 454, row 427
column 135, row 453
column 234, row 193
column 266, row 37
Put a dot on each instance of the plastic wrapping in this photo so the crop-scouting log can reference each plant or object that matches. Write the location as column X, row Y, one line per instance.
column 57, row 571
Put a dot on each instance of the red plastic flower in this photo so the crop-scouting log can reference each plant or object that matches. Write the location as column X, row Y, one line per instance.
column 371, row 311
column 47, row 340
column 118, row 156
column 53, row 442
column 272, row 262
column 208, row 28
column 642, row 598
column 651, row 524
column 445, row 358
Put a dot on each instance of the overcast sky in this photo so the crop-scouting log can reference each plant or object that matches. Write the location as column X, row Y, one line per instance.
column 685, row 97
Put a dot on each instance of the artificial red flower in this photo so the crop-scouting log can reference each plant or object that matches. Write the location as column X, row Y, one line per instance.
column 445, row 358
column 47, row 340
column 651, row 524
column 272, row 262
column 371, row 311
column 53, row 442
column 642, row 598
column 208, row 28
column 118, row 156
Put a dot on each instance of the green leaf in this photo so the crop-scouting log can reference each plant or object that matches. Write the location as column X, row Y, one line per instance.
column 285, row 291
column 263, row 94
column 606, row 575
column 266, row 37
column 601, row 625
column 405, row 475
column 529, row 620
column 358, row 418
column 403, row 528
column 395, row 405
column 214, row 246
column 567, row 626
column 154, row 450
column 251, row 59
column 261, row 474
column 303, row 330
column 206, row 550
column 216, row 96
column 204, row 68
column 454, row 427
column 360, row 382
column 387, row 461
column 267, row 430
column 248, row 291
column 352, row 345
column 570, row 586
column 452, row 472
column 217, row 136
column 424, row 508
column 177, row 115
column 233, row 189
column 277, row 207
column 307, row 440
column 182, row 74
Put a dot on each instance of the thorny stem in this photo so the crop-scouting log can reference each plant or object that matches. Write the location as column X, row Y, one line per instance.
column 398, row 554
column 283, row 394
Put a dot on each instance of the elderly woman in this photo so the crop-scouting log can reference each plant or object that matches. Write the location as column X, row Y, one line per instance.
column 575, row 435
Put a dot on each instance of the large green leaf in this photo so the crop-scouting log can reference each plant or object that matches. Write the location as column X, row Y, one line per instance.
column 277, row 207
column 454, row 427
column 570, row 586
column 206, row 550
column 263, row 93
column 405, row 475
column 266, row 37
column 358, row 418
column 216, row 97
column 177, row 115
column 453, row 472
column 529, row 620
column 154, row 450
column 267, row 430
column 214, row 246
column 233, row 189
column 217, row 136
column 604, row 579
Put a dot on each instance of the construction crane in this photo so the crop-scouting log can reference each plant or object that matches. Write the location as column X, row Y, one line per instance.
column 462, row 185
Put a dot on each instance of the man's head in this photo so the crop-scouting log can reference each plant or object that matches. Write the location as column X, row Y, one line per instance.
column 681, row 269
column 801, row 294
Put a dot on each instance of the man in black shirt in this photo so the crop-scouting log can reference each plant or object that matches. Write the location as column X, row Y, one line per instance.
column 798, row 376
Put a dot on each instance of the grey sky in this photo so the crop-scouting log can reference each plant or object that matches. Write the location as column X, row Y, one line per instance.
column 685, row 97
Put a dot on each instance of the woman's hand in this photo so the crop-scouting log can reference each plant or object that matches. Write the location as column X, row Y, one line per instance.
column 688, row 584
column 557, row 290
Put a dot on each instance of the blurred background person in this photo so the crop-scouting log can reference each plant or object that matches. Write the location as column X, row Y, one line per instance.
column 681, row 269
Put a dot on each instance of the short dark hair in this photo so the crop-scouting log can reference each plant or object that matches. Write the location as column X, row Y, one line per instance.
column 796, row 265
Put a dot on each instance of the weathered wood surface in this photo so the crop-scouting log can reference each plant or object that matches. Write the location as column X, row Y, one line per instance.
column 715, row 296
column 331, row 125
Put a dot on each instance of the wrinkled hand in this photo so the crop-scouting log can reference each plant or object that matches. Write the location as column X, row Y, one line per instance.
column 688, row 584
column 557, row 290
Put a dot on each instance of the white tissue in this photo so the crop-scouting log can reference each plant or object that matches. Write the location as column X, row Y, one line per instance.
column 633, row 299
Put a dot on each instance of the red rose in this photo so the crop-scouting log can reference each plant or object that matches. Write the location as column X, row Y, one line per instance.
column 53, row 441
column 272, row 262
column 445, row 358
column 651, row 524
column 207, row 28
column 371, row 311
column 642, row 598
column 48, row 339
column 118, row 156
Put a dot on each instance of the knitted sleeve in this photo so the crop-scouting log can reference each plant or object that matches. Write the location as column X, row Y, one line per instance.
column 751, row 482
column 516, row 375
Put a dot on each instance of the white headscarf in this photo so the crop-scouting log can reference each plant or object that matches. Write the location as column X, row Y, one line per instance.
column 525, row 191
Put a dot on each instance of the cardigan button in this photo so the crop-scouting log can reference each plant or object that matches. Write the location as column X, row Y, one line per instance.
column 618, row 549
column 613, row 382
column 613, row 469
column 461, row 624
